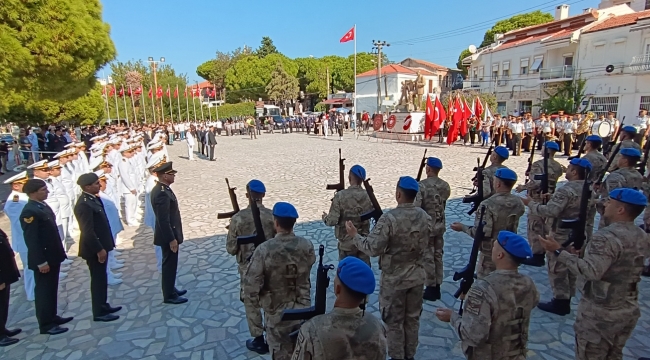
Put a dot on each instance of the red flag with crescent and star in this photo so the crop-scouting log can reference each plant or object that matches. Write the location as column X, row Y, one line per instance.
column 428, row 119
column 349, row 36
column 150, row 94
column 439, row 115
column 111, row 92
column 176, row 92
column 168, row 93
column 159, row 92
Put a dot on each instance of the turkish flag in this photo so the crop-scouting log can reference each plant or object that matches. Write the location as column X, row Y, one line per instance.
column 478, row 108
column 121, row 93
column 128, row 92
column 439, row 115
column 176, row 92
column 185, row 93
column 150, row 93
column 159, row 92
column 168, row 92
column 466, row 114
column 111, row 92
column 138, row 90
column 214, row 93
column 428, row 119
column 348, row 36
column 104, row 90
column 196, row 92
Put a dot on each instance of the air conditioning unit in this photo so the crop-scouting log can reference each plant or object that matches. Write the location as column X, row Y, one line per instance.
column 615, row 68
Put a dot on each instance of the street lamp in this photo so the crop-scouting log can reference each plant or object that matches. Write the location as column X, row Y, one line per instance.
column 153, row 65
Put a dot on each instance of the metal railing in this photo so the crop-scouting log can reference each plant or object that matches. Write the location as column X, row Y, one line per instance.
column 640, row 63
column 557, row 72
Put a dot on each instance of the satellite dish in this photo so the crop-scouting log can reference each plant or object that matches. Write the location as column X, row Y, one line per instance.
column 472, row 49
column 609, row 68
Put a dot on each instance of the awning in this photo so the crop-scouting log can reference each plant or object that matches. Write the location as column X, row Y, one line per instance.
column 337, row 101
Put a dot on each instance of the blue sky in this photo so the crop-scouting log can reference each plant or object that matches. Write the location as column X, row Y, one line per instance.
column 187, row 33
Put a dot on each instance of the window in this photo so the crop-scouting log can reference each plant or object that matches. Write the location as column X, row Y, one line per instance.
column 525, row 106
column 506, row 73
column 475, row 76
column 647, row 4
column 501, row 108
column 601, row 105
column 430, row 86
column 439, row 80
column 599, row 54
column 537, row 64
column 524, row 66
column 495, row 75
column 645, row 101
column 568, row 61
column 480, row 73
column 505, row 69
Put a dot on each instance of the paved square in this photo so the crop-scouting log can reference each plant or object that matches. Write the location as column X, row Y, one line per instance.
column 295, row 168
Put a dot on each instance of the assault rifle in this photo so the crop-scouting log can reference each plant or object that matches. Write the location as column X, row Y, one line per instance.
column 543, row 177
column 478, row 189
column 581, row 150
column 341, row 185
column 233, row 200
column 376, row 211
column 609, row 163
column 577, row 236
column 466, row 275
column 422, row 164
column 644, row 161
column 607, row 147
column 259, row 236
column 320, row 302
column 530, row 160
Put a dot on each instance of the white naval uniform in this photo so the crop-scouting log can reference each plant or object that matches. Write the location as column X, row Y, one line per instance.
column 128, row 185
column 150, row 217
column 13, row 210
column 190, row 145
column 68, row 179
column 63, row 211
column 113, row 216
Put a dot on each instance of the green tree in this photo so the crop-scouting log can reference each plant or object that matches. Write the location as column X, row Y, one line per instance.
column 516, row 22
column 52, row 49
column 214, row 70
column 465, row 53
column 282, row 87
column 248, row 78
column 266, row 48
column 568, row 96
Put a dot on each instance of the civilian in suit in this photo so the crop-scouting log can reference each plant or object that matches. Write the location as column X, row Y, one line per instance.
column 45, row 254
column 95, row 241
column 211, row 141
column 168, row 232
column 200, row 134
column 8, row 275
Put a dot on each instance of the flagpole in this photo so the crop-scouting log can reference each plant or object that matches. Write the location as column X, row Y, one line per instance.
column 200, row 101
column 194, row 104
column 209, row 110
column 187, row 103
column 108, row 111
column 178, row 103
column 162, row 107
column 135, row 119
column 144, row 103
column 354, row 106
column 153, row 102
column 171, row 107
column 117, row 109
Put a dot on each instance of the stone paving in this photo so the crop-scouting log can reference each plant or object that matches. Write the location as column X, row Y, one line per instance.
column 295, row 168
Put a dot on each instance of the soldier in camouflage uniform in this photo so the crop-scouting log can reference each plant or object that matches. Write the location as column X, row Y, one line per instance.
column 625, row 176
column 277, row 278
column 611, row 268
column 537, row 224
column 242, row 224
column 598, row 163
column 349, row 204
column 347, row 333
column 502, row 212
column 432, row 198
column 496, row 316
column 400, row 238
column 499, row 155
column 563, row 205
column 627, row 141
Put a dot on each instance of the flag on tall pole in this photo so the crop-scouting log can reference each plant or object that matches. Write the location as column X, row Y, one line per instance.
column 194, row 103
column 478, row 111
column 144, row 104
column 187, row 103
column 198, row 90
column 352, row 35
column 153, row 103
column 428, row 118
column 117, row 108
column 178, row 103
column 108, row 111
column 438, row 117
column 171, row 108
column 135, row 120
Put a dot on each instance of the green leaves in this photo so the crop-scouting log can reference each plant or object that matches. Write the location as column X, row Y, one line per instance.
column 516, row 22
column 282, row 87
column 568, row 96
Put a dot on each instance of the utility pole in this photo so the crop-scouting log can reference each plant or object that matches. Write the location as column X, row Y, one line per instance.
column 378, row 46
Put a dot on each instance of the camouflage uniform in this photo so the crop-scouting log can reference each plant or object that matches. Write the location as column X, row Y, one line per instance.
column 496, row 316
column 277, row 278
column 432, row 197
column 609, row 309
column 537, row 224
column 343, row 334
column 563, row 205
column 625, row 144
column 598, row 163
column 502, row 212
column 242, row 224
column 349, row 204
column 488, row 179
column 621, row 178
column 400, row 239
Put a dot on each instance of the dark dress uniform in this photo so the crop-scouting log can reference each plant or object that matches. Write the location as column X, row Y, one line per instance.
column 43, row 246
column 95, row 236
column 167, row 229
column 8, row 275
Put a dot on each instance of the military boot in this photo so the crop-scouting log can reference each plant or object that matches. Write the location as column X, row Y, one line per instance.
column 432, row 293
column 538, row 260
column 556, row 306
column 258, row 345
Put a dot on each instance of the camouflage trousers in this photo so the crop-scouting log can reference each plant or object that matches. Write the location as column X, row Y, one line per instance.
column 589, row 224
column 563, row 282
column 277, row 335
column 253, row 313
column 536, row 228
column 485, row 264
column 593, row 346
column 356, row 253
column 400, row 311
column 433, row 265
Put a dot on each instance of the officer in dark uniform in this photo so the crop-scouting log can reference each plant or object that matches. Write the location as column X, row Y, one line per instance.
column 44, row 256
column 8, row 275
column 168, row 232
column 95, row 242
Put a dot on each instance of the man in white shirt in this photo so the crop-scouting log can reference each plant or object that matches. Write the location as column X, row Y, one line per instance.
column 613, row 121
column 190, row 143
column 33, row 139
column 13, row 207
column 641, row 126
column 529, row 127
column 568, row 129
column 128, row 187
column 517, row 131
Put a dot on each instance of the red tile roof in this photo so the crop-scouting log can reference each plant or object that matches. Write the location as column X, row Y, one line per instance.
column 429, row 64
column 396, row 69
column 620, row 20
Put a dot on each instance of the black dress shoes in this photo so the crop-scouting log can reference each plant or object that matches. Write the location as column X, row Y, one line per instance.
column 175, row 301
column 12, row 333
column 62, row 320
column 180, row 292
column 106, row 318
column 55, row 330
column 109, row 309
column 6, row 341
column 258, row 345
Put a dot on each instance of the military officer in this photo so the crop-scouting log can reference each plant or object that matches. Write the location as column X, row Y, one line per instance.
column 277, row 278
column 13, row 208
column 497, row 158
column 115, row 223
column 44, row 256
column 496, row 302
column 168, row 233
column 598, row 163
column 625, row 176
column 242, row 224
column 537, row 224
column 627, row 141
column 95, row 241
column 564, row 204
column 611, row 268
column 128, row 184
column 349, row 204
column 347, row 333
column 400, row 238
column 9, row 274
column 149, row 217
column 432, row 198
column 502, row 212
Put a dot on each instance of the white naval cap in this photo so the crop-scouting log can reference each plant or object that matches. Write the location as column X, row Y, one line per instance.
column 21, row 176
column 95, row 162
column 64, row 153
column 154, row 160
column 154, row 145
column 38, row 165
column 53, row 164
column 67, row 146
column 99, row 173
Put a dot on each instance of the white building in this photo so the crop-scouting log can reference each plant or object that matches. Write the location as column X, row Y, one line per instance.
column 523, row 64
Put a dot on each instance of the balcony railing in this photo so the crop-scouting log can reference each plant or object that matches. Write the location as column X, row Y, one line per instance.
column 556, row 73
column 640, row 63
column 467, row 84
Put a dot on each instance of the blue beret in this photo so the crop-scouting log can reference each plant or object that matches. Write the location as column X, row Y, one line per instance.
column 630, row 129
column 552, row 145
column 631, row 152
column 434, row 162
column 356, row 275
column 358, row 171
column 595, row 138
column 583, row 163
column 257, row 186
column 408, row 183
column 284, row 209
column 506, row 174
column 629, row 196
column 502, row 151
column 515, row 245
